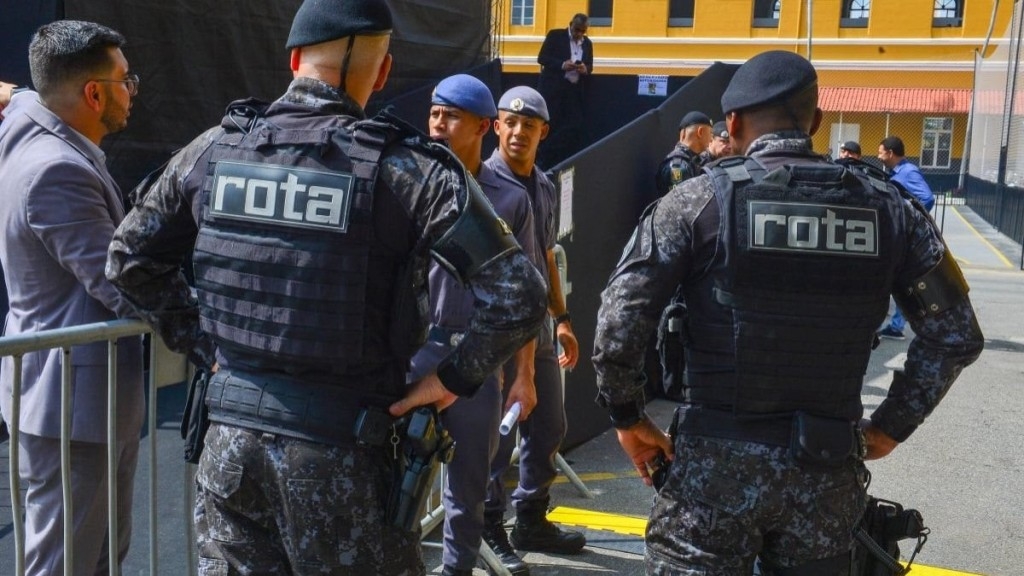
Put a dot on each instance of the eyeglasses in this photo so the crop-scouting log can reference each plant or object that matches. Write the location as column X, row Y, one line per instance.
column 131, row 82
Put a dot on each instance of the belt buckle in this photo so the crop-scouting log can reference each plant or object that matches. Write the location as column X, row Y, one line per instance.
column 455, row 338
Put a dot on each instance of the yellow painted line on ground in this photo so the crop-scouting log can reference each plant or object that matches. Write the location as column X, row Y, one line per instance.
column 595, row 477
column 635, row 526
column 919, row 570
column 994, row 250
column 630, row 525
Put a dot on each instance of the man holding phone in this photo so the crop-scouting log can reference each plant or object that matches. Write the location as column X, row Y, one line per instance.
column 567, row 59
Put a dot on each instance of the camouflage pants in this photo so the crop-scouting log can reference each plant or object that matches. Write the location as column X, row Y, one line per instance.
column 269, row 504
column 727, row 502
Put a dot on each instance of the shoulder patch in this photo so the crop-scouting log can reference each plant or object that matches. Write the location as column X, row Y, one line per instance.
column 282, row 195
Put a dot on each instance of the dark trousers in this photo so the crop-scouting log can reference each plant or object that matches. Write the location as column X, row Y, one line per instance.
column 473, row 424
column 541, row 437
column 270, row 504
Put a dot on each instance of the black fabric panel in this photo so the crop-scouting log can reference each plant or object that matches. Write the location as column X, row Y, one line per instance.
column 193, row 59
column 434, row 39
column 19, row 20
column 614, row 181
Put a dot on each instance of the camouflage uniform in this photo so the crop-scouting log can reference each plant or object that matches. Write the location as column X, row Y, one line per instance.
column 275, row 503
column 680, row 165
column 727, row 501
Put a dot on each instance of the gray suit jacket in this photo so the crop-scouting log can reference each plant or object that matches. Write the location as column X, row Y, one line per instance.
column 58, row 210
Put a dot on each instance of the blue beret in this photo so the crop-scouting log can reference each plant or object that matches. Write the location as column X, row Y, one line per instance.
column 720, row 130
column 466, row 93
column 320, row 21
column 694, row 117
column 767, row 78
column 526, row 101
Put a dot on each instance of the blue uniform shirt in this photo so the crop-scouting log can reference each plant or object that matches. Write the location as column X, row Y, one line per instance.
column 451, row 304
column 544, row 199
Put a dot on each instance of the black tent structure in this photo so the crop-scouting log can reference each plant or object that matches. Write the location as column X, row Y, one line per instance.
column 196, row 56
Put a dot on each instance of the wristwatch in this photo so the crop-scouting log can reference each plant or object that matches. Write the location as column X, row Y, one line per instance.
column 562, row 318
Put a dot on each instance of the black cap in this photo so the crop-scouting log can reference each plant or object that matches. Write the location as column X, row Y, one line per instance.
column 850, row 146
column 320, row 21
column 694, row 117
column 720, row 130
column 766, row 78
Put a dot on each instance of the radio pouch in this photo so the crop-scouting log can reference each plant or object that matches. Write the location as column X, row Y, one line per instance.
column 821, row 441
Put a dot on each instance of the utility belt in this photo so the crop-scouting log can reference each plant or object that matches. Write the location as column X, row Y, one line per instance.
column 445, row 336
column 299, row 409
column 416, row 444
column 813, row 441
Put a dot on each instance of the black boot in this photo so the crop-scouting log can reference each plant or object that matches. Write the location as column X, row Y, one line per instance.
column 449, row 571
column 496, row 537
column 533, row 532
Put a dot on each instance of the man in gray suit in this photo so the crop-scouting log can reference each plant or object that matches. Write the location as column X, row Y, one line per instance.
column 58, row 210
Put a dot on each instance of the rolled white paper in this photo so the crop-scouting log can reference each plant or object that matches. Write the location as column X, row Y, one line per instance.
column 510, row 419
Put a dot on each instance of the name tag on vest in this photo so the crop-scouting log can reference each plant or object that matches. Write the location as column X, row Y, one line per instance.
column 282, row 195
column 818, row 228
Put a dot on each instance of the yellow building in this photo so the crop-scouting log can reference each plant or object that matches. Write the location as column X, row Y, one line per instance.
column 901, row 67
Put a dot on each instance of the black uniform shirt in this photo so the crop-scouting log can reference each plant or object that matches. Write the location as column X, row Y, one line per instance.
column 680, row 165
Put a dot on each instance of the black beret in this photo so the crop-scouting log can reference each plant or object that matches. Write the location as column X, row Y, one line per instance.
column 320, row 21
column 850, row 146
column 720, row 130
column 766, row 78
column 694, row 117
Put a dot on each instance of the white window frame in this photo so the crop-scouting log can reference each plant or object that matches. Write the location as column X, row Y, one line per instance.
column 937, row 133
column 523, row 12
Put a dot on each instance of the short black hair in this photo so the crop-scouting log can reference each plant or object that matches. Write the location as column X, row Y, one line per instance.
column 894, row 144
column 69, row 50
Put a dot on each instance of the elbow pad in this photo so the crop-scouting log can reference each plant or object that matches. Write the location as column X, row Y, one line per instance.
column 477, row 238
column 938, row 290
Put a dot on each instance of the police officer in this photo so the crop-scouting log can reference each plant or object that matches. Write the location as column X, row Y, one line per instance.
column 522, row 124
column 719, row 147
column 786, row 262
column 461, row 113
column 312, row 229
column 682, row 163
column 849, row 149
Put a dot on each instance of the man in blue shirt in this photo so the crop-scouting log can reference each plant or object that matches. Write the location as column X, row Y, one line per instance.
column 892, row 154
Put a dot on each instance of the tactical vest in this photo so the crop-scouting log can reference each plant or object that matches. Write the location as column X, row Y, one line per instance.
column 682, row 159
column 783, row 319
column 285, row 260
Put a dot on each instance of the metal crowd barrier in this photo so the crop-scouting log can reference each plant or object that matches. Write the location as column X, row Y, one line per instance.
column 65, row 338
column 160, row 373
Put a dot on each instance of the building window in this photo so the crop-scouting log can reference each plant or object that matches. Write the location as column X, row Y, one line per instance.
column 522, row 12
column 855, row 13
column 936, row 142
column 680, row 13
column 948, row 13
column 766, row 13
column 600, row 12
